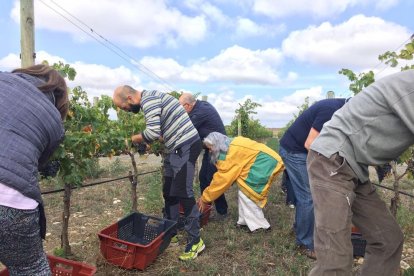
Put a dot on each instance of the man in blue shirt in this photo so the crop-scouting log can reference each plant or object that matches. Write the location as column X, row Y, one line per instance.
column 206, row 119
column 294, row 147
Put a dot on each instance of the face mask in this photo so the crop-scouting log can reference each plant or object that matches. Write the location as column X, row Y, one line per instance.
column 135, row 108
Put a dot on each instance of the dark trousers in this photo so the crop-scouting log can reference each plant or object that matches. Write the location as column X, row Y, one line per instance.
column 206, row 175
column 179, row 167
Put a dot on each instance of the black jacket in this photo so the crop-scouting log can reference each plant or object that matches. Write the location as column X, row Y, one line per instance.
column 206, row 119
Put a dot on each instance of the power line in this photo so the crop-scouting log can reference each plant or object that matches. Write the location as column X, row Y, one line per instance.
column 396, row 49
column 112, row 47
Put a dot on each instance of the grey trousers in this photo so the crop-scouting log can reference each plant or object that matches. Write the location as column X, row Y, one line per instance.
column 179, row 169
column 340, row 199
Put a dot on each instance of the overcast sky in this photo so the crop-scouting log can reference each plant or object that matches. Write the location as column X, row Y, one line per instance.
column 273, row 52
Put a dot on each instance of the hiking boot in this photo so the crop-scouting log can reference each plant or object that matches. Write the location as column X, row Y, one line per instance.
column 192, row 251
column 303, row 250
column 310, row 254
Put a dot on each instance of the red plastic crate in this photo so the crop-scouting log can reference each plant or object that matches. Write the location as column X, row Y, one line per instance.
column 136, row 240
column 203, row 217
column 64, row 267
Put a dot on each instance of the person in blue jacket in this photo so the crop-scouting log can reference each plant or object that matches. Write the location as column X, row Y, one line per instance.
column 294, row 147
column 206, row 120
column 33, row 104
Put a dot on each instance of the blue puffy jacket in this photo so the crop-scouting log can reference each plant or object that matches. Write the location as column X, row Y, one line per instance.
column 30, row 130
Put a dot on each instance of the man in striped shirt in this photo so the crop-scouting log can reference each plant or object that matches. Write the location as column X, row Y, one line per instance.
column 167, row 120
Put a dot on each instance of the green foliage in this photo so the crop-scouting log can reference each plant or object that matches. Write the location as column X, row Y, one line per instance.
column 250, row 127
column 363, row 80
column 93, row 168
column 273, row 143
column 59, row 252
column 89, row 133
column 358, row 82
column 409, row 272
column 64, row 69
column 393, row 59
column 117, row 168
column 176, row 94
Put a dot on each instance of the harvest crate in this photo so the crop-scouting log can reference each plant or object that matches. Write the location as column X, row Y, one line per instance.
column 136, row 240
column 64, row 267
column 358, row 242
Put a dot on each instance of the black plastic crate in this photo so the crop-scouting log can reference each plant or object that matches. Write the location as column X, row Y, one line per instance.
column 358, row 244
column 142, row 229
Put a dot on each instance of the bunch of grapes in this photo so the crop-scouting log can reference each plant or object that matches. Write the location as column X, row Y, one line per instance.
column 141, row 148
column 383, row 171
column 50, row 169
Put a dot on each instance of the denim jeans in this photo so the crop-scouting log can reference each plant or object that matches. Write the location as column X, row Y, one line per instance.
column 206, row 175
column 287, row 188
column 341, row 199
column 295, row 165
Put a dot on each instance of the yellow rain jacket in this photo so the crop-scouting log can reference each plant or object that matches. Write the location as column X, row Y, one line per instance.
column 251, row 164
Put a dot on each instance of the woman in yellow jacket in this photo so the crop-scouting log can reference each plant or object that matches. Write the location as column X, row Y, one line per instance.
column 252, row 165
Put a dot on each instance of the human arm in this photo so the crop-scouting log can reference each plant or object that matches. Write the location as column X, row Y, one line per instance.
column 227, row 173
column 137, row 138
column 313, row 133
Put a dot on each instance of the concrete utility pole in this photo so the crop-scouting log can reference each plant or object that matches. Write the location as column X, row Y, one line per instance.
column 27, row 42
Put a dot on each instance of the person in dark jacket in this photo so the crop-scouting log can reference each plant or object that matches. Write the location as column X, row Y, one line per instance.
column 206, row 120
column 293, row 149
column 33, row 104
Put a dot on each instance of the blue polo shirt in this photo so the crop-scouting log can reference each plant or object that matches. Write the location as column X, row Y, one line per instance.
column 206, row 119
column 314, row 117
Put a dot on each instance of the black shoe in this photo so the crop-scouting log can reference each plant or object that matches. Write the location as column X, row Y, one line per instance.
column 303, row 250
column 242, row 227
column 261, row 230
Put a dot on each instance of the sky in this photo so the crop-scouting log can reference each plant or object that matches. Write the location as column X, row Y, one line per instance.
column 274, row 52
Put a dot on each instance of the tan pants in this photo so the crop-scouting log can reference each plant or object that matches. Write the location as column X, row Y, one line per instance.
column 340, row 199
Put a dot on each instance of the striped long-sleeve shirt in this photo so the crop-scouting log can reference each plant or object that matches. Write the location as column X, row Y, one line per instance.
column 166, row 118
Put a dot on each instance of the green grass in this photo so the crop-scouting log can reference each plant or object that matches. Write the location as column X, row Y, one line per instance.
column 229, row 251
column 405, row 218
column 151, row 190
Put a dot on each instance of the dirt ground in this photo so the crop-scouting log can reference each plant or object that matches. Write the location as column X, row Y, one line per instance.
column 94, row 208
